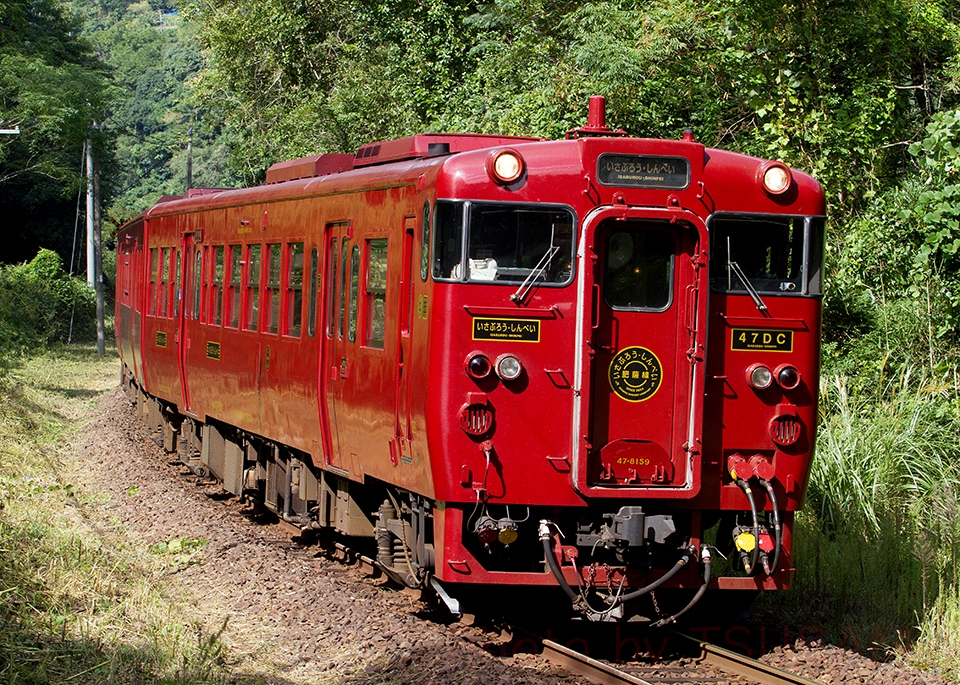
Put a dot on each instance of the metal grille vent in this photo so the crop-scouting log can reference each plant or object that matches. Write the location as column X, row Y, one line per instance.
column 476, row 419
column 785, row 430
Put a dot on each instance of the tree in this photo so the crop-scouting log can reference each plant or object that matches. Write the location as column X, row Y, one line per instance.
column 154, row 55
column 54, row 88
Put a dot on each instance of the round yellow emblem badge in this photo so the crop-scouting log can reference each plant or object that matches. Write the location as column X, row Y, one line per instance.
column 635, row 374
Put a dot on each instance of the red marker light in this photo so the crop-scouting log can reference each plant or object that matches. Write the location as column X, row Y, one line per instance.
column 477, row 365
column 788, row 377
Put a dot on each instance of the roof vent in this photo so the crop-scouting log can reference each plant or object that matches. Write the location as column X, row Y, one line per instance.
column 309, row 167
column 427, row 145
column 438, row 149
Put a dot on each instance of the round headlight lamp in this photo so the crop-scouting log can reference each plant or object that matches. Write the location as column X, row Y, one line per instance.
column 508, row 367
column 505, row 166
column 759, row 377
column 775, row 177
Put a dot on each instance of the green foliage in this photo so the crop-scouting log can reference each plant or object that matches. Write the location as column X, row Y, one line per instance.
column 53, row 88
column 293, row 79
column 155, row 56
column 831, row 87
column 41, row 305
column 938, row 644
column 891, row 461
column 898, row 261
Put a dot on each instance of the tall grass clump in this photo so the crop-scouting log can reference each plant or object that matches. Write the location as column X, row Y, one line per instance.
column 79, row 602
column 877, row 545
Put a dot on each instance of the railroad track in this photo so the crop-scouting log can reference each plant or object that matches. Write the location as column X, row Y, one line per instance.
column 715, row 665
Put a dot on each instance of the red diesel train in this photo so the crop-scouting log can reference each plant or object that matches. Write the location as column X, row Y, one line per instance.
column 577, row 364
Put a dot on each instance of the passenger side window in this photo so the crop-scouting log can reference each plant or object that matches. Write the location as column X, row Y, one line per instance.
column 252, row 317
column 425, row 242
column 343, row 288
column 331, row 288
column 313, row 282
column 164, row 279
column 234, row 266
column 216, row 302
column 176, row 287
column 197, row 276
column 376, row 292
column 271, row 302
column 294, row 303
column 354, row 284
column 154, row 295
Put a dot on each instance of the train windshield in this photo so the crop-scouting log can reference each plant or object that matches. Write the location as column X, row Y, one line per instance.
column 503, row 243
column 766, row 254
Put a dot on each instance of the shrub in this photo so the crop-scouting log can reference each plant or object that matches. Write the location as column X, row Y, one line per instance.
column 40, row 304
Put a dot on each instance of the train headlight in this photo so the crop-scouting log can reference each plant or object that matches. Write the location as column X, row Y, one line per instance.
column 759, row 377
column 509, row 367
column 775, row 177
column 505, row 166
column 788, row 377
column 477, row 365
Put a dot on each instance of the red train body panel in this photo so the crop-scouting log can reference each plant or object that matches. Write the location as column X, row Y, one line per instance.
column 497, row 341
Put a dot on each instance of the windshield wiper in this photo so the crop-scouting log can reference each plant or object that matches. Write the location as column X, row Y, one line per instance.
column 732, row 266
column 537, row 271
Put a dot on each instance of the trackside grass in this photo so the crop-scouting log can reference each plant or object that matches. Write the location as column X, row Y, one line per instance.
column 78, row 604
column 878, row 544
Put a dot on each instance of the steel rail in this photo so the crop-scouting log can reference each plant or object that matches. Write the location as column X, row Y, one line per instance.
column 591, row 669
column 710, row 655
column 757, row 671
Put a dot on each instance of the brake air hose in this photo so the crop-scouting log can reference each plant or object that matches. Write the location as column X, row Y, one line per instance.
column 681, row 562
column 546, row 538
column 777, row 532
column 755, row 554
column 705, row 556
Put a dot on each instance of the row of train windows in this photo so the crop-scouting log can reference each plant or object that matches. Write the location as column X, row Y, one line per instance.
column 243, row 287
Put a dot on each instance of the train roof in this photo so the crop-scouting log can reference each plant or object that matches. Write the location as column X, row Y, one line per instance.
column 403, row 161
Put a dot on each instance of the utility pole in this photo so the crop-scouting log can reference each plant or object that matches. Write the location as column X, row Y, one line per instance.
column 95, row 239
column 98, row 260
column 91, row 221
column 190, row 158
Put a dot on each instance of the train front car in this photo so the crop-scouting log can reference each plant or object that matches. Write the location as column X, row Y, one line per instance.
column 625, row 339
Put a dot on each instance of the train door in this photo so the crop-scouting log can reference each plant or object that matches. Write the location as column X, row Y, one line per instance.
column 642, row 326
column 334, row 361
column 130, row 249
column 400, row 444
column 188, row 304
